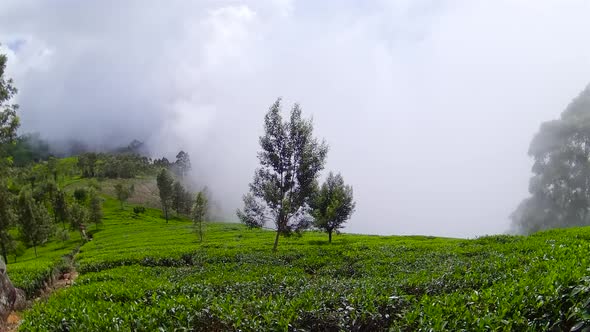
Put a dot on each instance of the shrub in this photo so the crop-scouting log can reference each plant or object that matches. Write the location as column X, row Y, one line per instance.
column 81, row 194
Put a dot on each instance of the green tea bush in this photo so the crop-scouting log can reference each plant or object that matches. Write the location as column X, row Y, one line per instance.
column 31, row 273
column 146, row 275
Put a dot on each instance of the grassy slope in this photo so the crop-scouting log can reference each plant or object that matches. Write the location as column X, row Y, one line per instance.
column 146, row 190
column 142, row 274
column 29, row 272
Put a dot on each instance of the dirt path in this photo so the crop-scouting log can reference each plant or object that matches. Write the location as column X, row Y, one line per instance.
column 64, row 280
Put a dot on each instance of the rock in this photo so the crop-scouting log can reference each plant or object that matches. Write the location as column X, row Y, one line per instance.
column 20, row 303
column 9, row 295
column 13, row 319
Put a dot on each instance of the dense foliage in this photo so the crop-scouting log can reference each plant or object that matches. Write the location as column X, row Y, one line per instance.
column 28, row 148
column 114, row 166
column 33, row 220
column 560, row 187
column 165, row 184
column 332, row 204
column 9, row 120
column 290, row 161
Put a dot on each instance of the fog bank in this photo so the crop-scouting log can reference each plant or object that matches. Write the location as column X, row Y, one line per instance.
column 428, row 106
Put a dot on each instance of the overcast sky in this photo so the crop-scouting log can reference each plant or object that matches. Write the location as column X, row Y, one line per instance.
column 428, row 106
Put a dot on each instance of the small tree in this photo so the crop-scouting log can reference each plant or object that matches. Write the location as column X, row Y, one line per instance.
column 60, row 208
column 17, row 249
column 52, row 168
column 63, row 235
column 34, row 220
column 178, row 196
column 81, row 195
column 200, row 210
column 79, row 219
column 291, row 159
column 87, row 163
column 95, row 208
column 51, row 189
column 183, row 163
column 332, row 205
column 123, row 193
column 187, row 202
column 165, row 188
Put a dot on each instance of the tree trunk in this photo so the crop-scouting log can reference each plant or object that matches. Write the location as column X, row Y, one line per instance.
column 201, row 231
column 274, row 248
column 166, row 213
column 35, row 246
column 4, row 252
column 330, row 236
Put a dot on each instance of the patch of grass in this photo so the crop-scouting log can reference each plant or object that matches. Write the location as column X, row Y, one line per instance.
column 30, row 272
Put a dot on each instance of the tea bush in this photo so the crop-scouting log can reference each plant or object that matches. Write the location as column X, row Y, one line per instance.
column 142, row 274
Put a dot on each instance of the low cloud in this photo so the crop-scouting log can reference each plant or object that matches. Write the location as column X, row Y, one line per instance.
column 428, row 106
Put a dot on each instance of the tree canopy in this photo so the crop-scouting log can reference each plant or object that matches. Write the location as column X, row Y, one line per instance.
column 332, row 205
column 34, row 220
column 95, row 213
column 6, row 219
column 166, row 191
column 123, row 193
column 9, row 122
column 560, row 186
column 290, row 162
column 183, row 163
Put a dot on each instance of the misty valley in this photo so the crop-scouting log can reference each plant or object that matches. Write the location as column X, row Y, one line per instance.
column 435, row 175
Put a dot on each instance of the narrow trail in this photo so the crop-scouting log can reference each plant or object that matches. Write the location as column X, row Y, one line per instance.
column 62, row 280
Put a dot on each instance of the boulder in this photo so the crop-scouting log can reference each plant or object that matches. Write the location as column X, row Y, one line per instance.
column 9, row 295
column 20, row 303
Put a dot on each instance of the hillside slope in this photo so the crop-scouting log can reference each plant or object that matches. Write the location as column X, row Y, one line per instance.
column 140, row 273
column 145, row 189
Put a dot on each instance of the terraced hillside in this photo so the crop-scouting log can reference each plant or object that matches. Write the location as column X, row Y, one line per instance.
column 141, row 274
